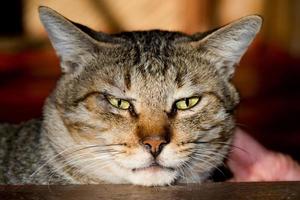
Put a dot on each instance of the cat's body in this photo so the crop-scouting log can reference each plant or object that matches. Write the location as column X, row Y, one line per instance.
column 21, row 153
column 148, row 107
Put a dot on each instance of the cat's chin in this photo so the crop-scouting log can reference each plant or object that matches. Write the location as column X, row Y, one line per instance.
column 153, row 176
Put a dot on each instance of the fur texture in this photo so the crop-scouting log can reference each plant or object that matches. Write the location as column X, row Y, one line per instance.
column 84, row 139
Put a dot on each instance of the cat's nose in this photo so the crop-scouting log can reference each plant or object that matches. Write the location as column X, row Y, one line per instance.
column 154, row 144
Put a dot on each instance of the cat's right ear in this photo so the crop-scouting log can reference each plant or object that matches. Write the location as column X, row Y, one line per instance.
column 71, row 43
column 225, row 46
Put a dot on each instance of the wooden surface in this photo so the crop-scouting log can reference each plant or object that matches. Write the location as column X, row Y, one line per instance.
column 215, row 191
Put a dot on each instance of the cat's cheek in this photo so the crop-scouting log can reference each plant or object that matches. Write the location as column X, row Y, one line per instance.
column 170, row 157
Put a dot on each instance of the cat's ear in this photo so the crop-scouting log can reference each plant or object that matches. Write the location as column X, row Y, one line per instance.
column 228, row 43
column 72, row 42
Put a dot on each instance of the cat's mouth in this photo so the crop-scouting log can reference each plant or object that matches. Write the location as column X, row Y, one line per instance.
column 154, row 167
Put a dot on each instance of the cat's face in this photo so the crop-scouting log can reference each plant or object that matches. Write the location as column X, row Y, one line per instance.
column 146, row 108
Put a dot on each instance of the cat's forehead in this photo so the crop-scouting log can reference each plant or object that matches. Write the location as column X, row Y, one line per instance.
column 151, row 44
column 148, row 60
column 155, row 53
column 152, row 37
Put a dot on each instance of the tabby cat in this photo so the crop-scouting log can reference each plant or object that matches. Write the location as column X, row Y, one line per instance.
column 144, row 107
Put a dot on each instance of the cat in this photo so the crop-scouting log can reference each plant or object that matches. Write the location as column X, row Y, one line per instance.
column 150, row 108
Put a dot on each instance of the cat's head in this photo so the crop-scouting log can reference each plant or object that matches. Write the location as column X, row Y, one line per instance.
column 145, row 107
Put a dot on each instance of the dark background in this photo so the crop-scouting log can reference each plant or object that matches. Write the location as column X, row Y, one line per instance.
column 268, row 76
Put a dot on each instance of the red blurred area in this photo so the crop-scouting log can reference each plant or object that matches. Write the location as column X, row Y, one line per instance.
column 26, row 78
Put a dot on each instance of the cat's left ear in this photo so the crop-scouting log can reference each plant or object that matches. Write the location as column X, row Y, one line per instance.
column 75, row 44
column 226, row 45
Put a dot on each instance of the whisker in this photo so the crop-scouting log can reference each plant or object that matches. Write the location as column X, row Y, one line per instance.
column 49, row 160
column 74, row 151
column 233, row 146
column 221, row 143
column 205, row 151
column 207, row 162
column 96, row 165
column 78, row 158
column 191, row 171
column 72, row 167
column 79, row 172
column 242, row 125
column 210, row 152
column 185, row 165
column 182, row 174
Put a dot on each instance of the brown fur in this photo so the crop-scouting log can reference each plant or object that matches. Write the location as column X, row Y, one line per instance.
column 151, row 70
column 153, row 142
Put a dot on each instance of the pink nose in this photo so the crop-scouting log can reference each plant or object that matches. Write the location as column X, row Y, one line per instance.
column 154, row 144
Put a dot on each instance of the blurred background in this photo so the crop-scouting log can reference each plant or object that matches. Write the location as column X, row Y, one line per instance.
column 268, row 76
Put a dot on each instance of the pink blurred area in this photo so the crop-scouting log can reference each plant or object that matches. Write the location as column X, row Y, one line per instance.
column 268, row 76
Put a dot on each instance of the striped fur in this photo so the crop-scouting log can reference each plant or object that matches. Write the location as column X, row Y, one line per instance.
column 83, row 139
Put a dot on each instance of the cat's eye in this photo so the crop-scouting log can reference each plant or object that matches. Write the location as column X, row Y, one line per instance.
column 119, row 103
column 187, row 103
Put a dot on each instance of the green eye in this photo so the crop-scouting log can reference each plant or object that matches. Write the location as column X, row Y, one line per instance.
column 187, row 103
column 119, row 103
